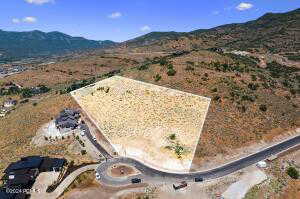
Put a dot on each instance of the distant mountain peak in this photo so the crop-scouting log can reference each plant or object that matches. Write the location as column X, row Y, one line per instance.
column 15, row 45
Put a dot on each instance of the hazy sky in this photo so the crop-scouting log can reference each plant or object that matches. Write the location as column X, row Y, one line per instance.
column 121, row 20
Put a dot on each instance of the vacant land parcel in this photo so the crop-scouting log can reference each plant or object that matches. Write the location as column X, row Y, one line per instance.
column 154, row 124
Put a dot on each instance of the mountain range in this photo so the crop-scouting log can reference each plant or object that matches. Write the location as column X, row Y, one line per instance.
column 273, row 32
column 15, row 45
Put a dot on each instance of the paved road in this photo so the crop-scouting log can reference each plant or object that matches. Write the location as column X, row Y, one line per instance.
column 66, row 182
column 95, row 143
column 149, row 174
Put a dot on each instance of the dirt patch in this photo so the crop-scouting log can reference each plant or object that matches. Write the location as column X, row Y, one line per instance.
column 239, row 189
column 122, row 171
column 145, row 121
column 42, row 182
column 279, row 185
column 87, row 193
column 101, row 191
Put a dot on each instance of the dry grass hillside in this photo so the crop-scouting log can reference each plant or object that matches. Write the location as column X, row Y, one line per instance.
column 272, row 32
column 18, row 128
column 67, row 71
column 249, row 103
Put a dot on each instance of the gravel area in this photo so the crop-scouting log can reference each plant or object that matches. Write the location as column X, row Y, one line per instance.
column 238, row 189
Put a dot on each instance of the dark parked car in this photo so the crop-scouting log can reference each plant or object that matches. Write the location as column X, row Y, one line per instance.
column 136, row 180
column 198, row 179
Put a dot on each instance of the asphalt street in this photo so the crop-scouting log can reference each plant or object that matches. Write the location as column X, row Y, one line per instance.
column 149, row 174
column 95, row 143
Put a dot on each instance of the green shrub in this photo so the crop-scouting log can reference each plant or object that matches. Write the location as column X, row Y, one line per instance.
column 171, row 72
column 217, row 98
column 170, row 66
column 143, row 67
column 253, row 86
column 248, row 98
column 83, row 152
column 26, row 93
column 263, row 107
column 253, row 77
column 292, row 172
column 157, row 77
column 43, row 88
column 214, row 90
column 277, row 70
column 172, row 136
column 163, row 61
column 179, row 150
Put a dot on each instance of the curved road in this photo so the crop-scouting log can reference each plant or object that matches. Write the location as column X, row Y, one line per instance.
column 149, row 174
column 64, row 184
column 95, row 143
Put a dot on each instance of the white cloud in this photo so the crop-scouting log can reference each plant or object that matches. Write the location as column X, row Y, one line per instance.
column 145, row 28
column 215, row 12
column 39, row 2
column 115, row 15
column 29, row 19
column 16, row 20
column 244, row 6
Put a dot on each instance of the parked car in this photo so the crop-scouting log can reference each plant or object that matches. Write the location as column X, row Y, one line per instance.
column 94, row 138
column 82, row 133
column 97, row 176
column 136, row 180
column 180, row 185
column 199, row 179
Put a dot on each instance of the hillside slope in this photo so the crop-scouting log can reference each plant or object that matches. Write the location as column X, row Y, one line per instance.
column 153, row 37
column 273, row 32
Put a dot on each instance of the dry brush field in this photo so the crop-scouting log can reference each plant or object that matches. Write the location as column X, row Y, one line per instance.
column 18, row 128
column 236, row 117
